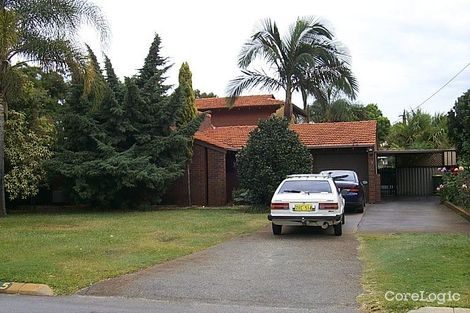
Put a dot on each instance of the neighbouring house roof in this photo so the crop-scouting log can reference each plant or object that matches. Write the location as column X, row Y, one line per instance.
column 319, row 135
column 242, row 101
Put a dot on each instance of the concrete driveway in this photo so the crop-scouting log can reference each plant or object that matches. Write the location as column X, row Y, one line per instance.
column 304, row 269
column 412, row 215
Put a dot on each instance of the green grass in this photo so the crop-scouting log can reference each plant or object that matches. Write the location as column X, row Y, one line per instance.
column 72, row 251
column 410, row 263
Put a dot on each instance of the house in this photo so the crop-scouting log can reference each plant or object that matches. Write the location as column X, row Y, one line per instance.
column 247, row 110
column 212, row 174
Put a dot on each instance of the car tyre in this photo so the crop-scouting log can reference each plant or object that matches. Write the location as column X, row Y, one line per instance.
column 360, row 209
column 343, row 219
column 338, row 228
column 277, row 229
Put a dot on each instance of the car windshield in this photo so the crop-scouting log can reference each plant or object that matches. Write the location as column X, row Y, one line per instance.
column 341, row 175
column 308, row 186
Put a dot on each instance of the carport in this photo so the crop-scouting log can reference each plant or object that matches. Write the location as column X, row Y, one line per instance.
column 410, row 172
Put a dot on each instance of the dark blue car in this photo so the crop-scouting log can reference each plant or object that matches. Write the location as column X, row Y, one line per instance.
column 352, row 189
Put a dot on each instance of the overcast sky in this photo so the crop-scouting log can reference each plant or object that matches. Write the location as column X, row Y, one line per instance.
column 402, row 50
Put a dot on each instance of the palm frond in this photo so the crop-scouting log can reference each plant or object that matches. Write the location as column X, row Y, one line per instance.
column 251, row 79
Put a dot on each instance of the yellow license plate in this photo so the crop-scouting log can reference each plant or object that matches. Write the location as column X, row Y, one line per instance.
column 303, row 207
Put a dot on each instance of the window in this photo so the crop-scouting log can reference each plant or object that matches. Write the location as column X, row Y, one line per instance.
column 309, row 186
column 348, row 175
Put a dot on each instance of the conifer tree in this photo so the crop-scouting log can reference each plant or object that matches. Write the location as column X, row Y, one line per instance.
column 121, row 143
column 186, row 84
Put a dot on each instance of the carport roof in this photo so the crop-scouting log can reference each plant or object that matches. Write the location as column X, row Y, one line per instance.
column 314, row 136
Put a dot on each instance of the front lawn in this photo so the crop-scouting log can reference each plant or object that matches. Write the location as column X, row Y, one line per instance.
column 72, row 251
column 411, row 263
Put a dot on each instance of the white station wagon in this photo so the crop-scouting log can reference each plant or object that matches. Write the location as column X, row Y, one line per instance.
column 309, row 200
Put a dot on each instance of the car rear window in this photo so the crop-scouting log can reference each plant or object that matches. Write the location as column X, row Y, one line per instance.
column 348, row 176
column 310, row 186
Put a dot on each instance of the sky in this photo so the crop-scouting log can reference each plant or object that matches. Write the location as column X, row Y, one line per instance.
column 402, row 50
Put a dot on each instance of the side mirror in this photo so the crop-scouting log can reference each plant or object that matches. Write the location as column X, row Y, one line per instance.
column 344, row 192
column 365, row 182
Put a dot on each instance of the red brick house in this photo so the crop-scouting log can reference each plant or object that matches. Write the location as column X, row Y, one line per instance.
column 346, row 145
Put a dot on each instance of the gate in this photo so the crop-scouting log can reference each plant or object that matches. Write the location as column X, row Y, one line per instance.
column 410, row 172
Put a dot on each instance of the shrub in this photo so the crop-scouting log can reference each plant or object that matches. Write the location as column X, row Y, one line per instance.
column 459, row 126
column 272, row 152
column 456, row 187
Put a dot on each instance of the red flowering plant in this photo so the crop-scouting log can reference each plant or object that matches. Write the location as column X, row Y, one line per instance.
column 455, row 186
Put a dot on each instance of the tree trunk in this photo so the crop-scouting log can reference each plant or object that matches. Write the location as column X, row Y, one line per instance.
column 288, row 104
column 3, row 208
column 188, row 174
column 305, row 99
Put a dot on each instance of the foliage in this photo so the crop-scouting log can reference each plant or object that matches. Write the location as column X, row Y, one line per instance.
column 189, row 111
column 307, row 57
column 272, row 152
column 419, row 130
column 44, row 33
column 455, row 186
column 342, row 110
column 459, row 125
column 75, row 250
column 26, row 150
column 121, row 145
column 200, row 95
column 31, row 130
column 372, row 112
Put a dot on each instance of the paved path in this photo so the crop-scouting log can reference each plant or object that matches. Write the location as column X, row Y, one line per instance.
column 413, row 215
column 304, row 268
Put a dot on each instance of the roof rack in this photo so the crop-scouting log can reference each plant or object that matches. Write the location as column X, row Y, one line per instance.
column 308, row 175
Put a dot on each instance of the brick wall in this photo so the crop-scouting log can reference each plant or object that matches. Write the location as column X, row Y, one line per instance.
column 217, row 178
column 374, row 178
column 198, row 175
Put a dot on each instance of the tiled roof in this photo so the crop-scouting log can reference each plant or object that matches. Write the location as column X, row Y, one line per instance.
column 319, row 135
column 362, row 133
column 202, row 136
column 234, row 136
column 242, row 101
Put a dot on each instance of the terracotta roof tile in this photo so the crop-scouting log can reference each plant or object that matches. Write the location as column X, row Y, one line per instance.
column 202, row 136
column 342, row 134
column 242, row 101
column 362, row 133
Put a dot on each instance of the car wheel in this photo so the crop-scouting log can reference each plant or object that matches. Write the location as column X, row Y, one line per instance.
column 342, row 219
column 338, row 229
column 277, row 229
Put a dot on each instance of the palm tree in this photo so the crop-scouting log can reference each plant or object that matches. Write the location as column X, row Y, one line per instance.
column 306, row 57
column 42, row 32
column 331, row 104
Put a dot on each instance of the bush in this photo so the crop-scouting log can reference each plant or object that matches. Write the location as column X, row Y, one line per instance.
column 455, row 187
column 459, row 126
column 272, row 152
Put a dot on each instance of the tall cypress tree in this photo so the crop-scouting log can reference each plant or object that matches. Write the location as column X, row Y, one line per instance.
column 185, row 79
column 188, row 113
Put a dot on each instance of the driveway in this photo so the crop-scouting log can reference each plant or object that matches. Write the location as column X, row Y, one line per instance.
column 412, row 215
column 304, row 269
